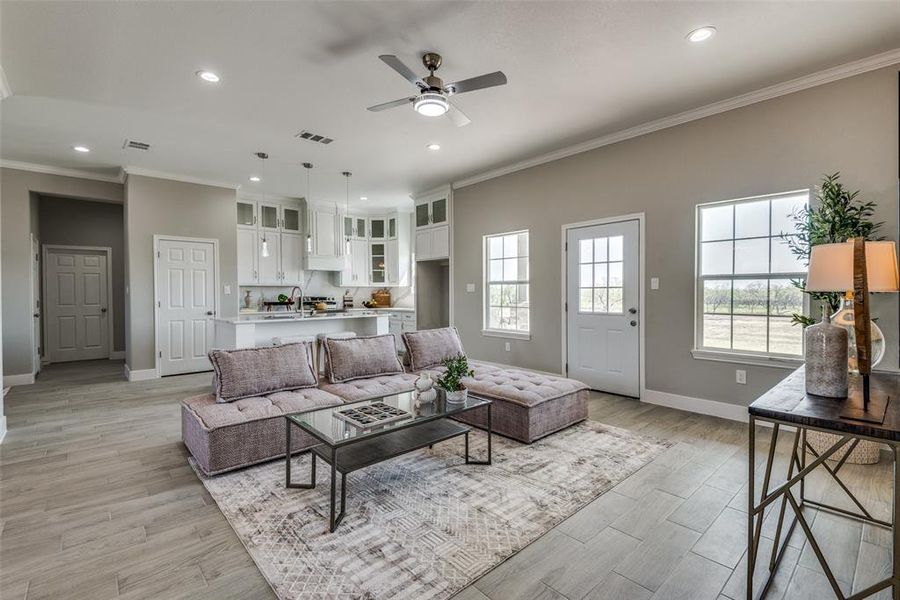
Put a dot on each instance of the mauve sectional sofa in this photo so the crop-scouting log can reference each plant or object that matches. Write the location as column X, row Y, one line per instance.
column 241, row 422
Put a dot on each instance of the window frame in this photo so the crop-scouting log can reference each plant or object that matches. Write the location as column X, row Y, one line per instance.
column 751, row 357
column 486, row 330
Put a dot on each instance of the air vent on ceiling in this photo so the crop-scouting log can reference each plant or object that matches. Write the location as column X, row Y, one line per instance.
column 313, row 137
column 135, row 145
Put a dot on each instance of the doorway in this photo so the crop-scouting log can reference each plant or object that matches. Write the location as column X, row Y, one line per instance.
column 37, row 335
column 602, row 310
column 76, row 301
column 186, row 302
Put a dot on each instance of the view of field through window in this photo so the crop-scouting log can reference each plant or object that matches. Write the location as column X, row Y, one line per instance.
column 507, row 281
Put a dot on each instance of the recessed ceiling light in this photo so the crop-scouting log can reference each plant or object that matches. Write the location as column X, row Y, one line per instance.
column 81, row 149
column 363, row 197
column 433, row 146
column 701, row 34
column 208, row 76
column 255, row 179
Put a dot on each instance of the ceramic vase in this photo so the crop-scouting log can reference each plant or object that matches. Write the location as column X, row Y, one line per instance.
column 425, row 391
column 457, row 396
column 826, row 359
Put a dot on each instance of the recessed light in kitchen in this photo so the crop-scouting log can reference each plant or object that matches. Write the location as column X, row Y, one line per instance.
column 208, row 76
column 81, row 149
column 701, row 34
column 433, row 147
column 255, row 179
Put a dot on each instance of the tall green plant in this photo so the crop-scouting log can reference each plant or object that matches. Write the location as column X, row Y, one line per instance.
column 836, row 216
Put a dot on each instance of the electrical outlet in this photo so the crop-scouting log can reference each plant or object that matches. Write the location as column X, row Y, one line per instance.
column 740, row 376
column 470, row 287
column 507, row 347
column 227, row 290
column 654, row 283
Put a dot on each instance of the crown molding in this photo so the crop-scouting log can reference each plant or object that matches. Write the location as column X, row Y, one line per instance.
column 178, row 177
column 51, row 170
column 259, row 196
column 858, row 67
column 5, row 90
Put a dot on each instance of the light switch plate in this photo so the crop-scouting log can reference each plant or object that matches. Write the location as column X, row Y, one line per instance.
column 654, row 283
column 470, row 287
column 507, row 346
column 740, row 376
column 227, row 290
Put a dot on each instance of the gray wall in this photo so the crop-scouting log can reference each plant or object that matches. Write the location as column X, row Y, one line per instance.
column 66, row 221
column 160, row 206
column 782, row 144
column 17, row 189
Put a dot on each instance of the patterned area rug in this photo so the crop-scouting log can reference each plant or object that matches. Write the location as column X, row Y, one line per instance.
column 423, row 525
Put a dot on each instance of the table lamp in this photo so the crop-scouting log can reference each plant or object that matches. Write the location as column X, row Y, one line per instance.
column 861, row 267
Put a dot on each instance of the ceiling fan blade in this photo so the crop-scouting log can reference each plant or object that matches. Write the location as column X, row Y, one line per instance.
column 458, row 117
column 405, row 72
column 391, row 104
column 476, row 83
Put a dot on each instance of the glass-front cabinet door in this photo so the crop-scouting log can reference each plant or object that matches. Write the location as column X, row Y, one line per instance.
column 348, row 227
column 377, row 229
column 290, row 219
column 439, row 211
column 246, row 214
column 378, row 258
column 392, row 228
column 359, row 230
column 422, row 215
column 268, row 216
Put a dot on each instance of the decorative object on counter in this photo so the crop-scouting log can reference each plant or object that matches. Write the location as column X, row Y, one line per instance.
column 248, row 300
column 862, row 267
column 425, row 392
column 451, row 380
column 382, row 297
column 281, row 305
column 348, row 299
column 826, row 358
column 845, row 317
column 369, row 304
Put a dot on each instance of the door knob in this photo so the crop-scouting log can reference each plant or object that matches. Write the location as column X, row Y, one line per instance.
column 103, row 310
column 632, row 310
column 633, row 323
column 210, row 312
column 37, row 315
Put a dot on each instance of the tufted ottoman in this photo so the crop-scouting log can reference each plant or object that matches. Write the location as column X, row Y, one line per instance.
column 526, row 405
column 371, row 387
column 222, row 437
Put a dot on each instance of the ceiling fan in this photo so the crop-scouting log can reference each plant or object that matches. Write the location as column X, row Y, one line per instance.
column 433, row 99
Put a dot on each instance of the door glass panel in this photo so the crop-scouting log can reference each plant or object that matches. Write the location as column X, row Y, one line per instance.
column 245, row 213
column 268, row 216
column 291, row 219
column 439, row 210
column 377, row 228
column 360, row 228
column 392, row 228
column 422, row 215
column 601, row 278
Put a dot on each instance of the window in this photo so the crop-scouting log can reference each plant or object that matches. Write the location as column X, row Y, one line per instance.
column 506, row 283
column 600, row 275
column 745, row 297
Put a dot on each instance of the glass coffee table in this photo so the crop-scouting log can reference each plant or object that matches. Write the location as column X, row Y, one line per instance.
column 353, row 437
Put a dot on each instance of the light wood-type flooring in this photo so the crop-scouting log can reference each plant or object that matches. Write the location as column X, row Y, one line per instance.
column 97, row 501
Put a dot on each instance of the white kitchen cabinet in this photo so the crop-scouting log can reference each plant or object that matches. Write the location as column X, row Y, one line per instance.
column 356, row 267
column 291, row 259
column 378, row 228
column 247, row 256
column 269, row 216
column 246, row 214
column 432, row 211
column 432, row 223
column 400, row 323
column 269, row 266
column 378, row 263
column 391, row 263
column 290, row 219
column 323, row 225
column 433, row 243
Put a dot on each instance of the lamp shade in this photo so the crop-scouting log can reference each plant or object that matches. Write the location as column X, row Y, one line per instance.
column 831, row 267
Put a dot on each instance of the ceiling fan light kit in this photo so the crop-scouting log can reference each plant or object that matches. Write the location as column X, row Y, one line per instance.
column 433, row 98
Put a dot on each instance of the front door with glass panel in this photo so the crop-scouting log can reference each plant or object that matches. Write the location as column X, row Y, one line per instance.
column 602, row 319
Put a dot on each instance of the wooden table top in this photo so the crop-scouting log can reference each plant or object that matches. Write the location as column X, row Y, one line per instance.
column 788, row 402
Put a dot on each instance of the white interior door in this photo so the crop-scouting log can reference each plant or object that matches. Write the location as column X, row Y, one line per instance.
column 36, row 304
column 186, row 285
column 76, row 301
column 602, row 320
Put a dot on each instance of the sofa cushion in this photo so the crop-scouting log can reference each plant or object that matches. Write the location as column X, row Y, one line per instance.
column 520, row 386
column 431, row 347
column 213, row 415
column 250, row 372
column 371, row 387
column 359, row 357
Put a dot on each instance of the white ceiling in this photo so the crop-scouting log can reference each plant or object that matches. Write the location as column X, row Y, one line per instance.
column 95, row 73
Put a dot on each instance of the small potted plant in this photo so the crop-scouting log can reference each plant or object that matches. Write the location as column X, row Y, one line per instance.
column 451, row 380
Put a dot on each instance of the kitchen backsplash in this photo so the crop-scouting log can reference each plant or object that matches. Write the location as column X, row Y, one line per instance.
column 320, row 283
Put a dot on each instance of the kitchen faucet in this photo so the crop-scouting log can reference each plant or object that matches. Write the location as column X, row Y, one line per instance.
column 300, row 301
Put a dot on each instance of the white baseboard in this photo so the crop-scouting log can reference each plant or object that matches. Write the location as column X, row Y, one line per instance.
column 2, row 428
column 140, row 374
column 724, row 410
column 117, row 355
column 21, row 379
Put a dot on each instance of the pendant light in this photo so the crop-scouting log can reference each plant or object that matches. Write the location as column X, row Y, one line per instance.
column 347, row 245
column 309, row 244
column 265, row 243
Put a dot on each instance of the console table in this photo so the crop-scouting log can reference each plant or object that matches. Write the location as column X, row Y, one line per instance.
column 788, row 404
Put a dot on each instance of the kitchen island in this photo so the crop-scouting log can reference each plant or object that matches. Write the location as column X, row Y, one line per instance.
column 258, row 329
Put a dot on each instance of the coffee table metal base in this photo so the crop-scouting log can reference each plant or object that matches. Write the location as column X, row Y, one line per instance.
column 351, row 457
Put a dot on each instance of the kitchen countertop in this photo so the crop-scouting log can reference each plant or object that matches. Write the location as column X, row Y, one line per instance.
column 285, row 317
